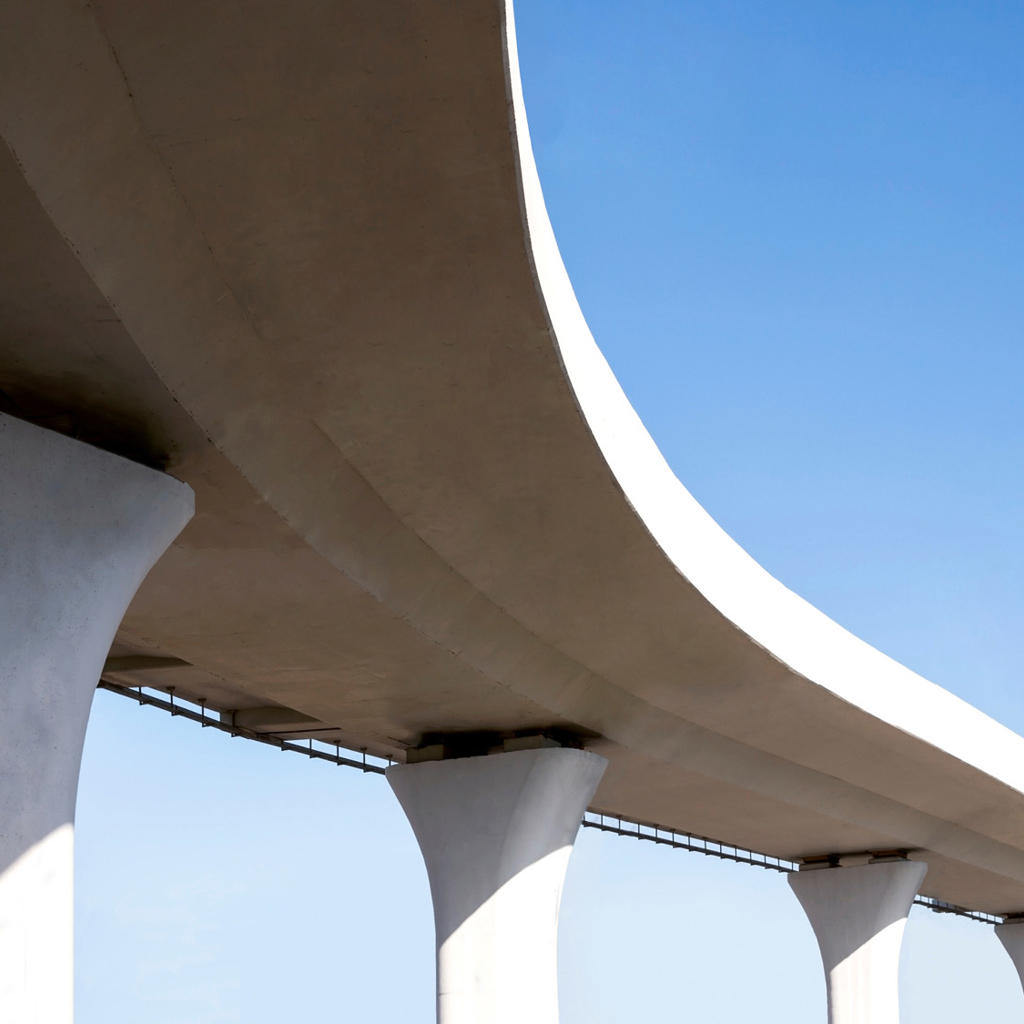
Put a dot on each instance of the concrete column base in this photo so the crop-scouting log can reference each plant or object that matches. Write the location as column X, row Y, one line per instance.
column 79, row 530
column 858, row 915
column 496, row 833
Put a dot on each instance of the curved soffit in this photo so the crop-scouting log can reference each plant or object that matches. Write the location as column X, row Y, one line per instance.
column 324, row 239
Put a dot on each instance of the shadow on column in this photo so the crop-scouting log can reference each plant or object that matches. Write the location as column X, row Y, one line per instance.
column 496, row 832
column 858, row 915
column 79, row 530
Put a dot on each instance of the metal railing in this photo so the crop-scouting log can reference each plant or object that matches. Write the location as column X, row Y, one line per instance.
column 620, row 826
column 614, row 824
column 322, row 751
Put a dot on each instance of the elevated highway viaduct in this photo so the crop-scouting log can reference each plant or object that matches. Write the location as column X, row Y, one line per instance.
column 292, row 263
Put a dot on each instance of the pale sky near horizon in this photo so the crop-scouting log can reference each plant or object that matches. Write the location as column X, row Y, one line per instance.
column 796, row 232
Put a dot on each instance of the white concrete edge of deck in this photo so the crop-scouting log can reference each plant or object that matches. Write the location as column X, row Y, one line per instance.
column 787, row 626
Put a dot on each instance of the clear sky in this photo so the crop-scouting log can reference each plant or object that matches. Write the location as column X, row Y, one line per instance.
column 796, row 232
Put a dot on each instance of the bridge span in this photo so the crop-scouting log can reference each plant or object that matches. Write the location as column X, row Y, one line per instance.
column 293, row 261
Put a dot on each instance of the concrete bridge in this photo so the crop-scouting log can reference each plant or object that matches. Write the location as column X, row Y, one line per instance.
column 292, row 263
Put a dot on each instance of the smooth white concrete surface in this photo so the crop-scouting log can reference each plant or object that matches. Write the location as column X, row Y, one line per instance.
column 496, row 833
column 1011, row 935
column 79, row 529
column 858, row 915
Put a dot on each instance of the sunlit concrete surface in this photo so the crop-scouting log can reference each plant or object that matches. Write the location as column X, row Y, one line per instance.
column 1011, row 935
column 858, row 915
column 496, row 833
column 298, row 257
column 79, row 529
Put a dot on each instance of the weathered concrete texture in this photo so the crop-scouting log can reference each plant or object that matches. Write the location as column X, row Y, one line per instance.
column 858, row 915
column 496, row 833
column 79, row 529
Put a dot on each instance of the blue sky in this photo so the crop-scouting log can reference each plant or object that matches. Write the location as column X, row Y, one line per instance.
column 796, row 232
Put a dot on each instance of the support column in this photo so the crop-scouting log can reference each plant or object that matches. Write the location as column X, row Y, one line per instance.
column 858, row 915
column 496, row 832
column 1011, row 934
column 79, row 530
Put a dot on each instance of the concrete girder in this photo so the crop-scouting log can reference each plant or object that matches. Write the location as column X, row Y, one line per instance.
column 301, row 256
